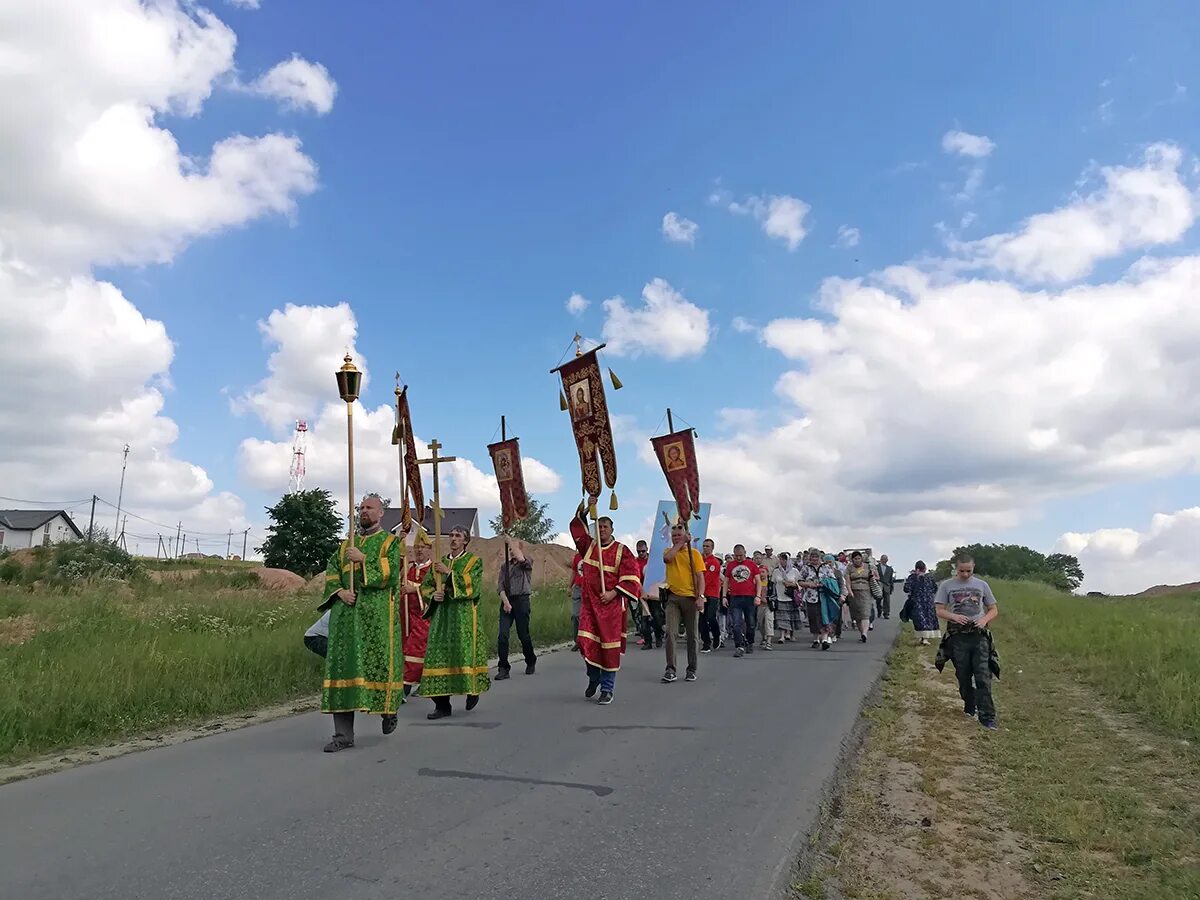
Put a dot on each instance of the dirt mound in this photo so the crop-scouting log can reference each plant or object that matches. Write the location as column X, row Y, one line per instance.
column 171, row 575
column 316, row 582
column 21, row 557
column 1160, row 589
column 17, row 629
column 280, row 580
column 551, row 562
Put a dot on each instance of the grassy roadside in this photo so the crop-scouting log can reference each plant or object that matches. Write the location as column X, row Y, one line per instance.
column 1091, row 789
column 105, row 662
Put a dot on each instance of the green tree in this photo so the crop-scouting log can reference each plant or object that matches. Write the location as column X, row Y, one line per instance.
column 535, row 528
column 305, row 530
column 1017, row 562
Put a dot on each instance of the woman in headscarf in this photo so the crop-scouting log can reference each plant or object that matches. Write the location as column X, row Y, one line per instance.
column 921, row 588
column 787, row 610
column 861, row 602
column 809, row 593
column 830, row 592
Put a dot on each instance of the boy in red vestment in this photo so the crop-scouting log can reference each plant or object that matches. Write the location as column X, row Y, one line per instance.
column 610, row 581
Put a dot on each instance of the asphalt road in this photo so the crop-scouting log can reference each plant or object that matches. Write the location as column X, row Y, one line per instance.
column 674, row 791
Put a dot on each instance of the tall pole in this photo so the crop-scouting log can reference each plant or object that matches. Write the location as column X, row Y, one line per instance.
column 400, row 439
column 175, row 547
column 434, row 460
column 349, row 380
column 245, row 537
column 92, row 519
column 182, row 548
column 686, row 525
column 507, row 555
column 228, row 541
column 121, row 492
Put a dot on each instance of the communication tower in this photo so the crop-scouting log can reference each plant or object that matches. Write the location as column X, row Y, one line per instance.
column 296, row 473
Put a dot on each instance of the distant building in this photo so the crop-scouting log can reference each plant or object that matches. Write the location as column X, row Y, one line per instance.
column 452, row 516
column 24, row 528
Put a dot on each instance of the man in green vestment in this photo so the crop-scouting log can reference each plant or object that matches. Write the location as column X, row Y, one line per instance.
column 363, row 663
column 456, row 657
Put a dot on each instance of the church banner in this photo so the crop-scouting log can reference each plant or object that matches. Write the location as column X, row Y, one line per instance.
column 506, row 460
column 583, row 389
column 676, row 454
column 403, row 432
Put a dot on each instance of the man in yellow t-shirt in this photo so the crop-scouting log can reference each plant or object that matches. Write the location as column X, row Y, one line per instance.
column 685, row 598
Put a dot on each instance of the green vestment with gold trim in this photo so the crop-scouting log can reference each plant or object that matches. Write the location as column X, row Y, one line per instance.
column 363, row 666
column 456, row 656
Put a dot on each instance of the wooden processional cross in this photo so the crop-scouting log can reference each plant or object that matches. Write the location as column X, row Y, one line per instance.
column 434, row 460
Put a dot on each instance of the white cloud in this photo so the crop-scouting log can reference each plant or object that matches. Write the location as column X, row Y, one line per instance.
column 1105, row 112
column 1124, row 560
column 298, row 84
column 245, row 4
column 91, row 175
column 962, row 143
column 577, row 304
column 1136, row 207
column 667, row 324
column 848, row 236
column 742, row 325
column 929, row 408
column 782, row 216
column 309, row 343
column 264, row 463
column 677, row 229
column 102, row 181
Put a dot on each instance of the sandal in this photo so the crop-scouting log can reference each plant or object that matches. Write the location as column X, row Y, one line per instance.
column 339, row 742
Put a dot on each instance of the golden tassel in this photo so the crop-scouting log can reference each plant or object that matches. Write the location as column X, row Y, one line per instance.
column 562, row 400
column 612, row 503
column 592, row 511
column 616, row 383
column 395, row 435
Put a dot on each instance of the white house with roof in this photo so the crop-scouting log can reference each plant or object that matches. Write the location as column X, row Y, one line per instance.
column 24, row 528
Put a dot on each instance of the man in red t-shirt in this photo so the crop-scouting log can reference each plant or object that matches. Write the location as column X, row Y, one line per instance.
column 710, row 625
column 742, row 595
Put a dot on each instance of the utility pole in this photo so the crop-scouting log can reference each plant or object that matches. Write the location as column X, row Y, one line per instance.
column 175, row 547
column 121, row 492
column 92, row 519
column 182, row 547
column 228, row 541
column 245, row 537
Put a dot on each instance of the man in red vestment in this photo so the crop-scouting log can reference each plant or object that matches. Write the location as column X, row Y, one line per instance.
column 414, row 628
column 610, row 581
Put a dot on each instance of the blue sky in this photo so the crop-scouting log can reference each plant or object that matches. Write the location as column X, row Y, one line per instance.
column 481, row 164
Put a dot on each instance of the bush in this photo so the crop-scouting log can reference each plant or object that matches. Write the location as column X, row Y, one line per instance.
column 75, row 562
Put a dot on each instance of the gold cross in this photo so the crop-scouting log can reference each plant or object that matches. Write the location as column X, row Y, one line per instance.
column 434, row 460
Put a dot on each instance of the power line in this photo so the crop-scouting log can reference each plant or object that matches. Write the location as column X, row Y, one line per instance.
column 58, row 504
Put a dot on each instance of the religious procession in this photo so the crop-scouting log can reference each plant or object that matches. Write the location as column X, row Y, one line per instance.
column 400, row 612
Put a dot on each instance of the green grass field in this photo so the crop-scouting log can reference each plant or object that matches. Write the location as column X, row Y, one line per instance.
column 103, row 662
column 1141, row 653
column 1090, row 789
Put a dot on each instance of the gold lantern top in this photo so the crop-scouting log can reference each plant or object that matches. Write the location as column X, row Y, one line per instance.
column 349, row 380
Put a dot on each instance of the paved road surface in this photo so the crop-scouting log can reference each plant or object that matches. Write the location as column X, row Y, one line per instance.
column 674, row 791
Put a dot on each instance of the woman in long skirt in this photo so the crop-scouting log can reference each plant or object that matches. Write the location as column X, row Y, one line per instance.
column 787, row 611
column 921, row 589
column 809, row 595
column 861, row 602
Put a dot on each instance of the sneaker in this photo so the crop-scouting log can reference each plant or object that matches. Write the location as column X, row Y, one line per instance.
column 739, row 653
column 749, row 648
column 501, row 674
column 389, row 723
column 649, row 645
column 862, row 638
column 871, row 627
column 668, row 676
column 605, row 698
column 989, row 724
column 720, row 645
column 767, row 647
column 825, row 645
column 690, row 676
column 968, row 711
column 529, row 668
column 816, row 644
column 706, row 649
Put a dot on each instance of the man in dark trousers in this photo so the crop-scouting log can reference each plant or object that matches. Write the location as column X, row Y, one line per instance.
column 967, row 605
column 887, row 581
column 515, row 586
